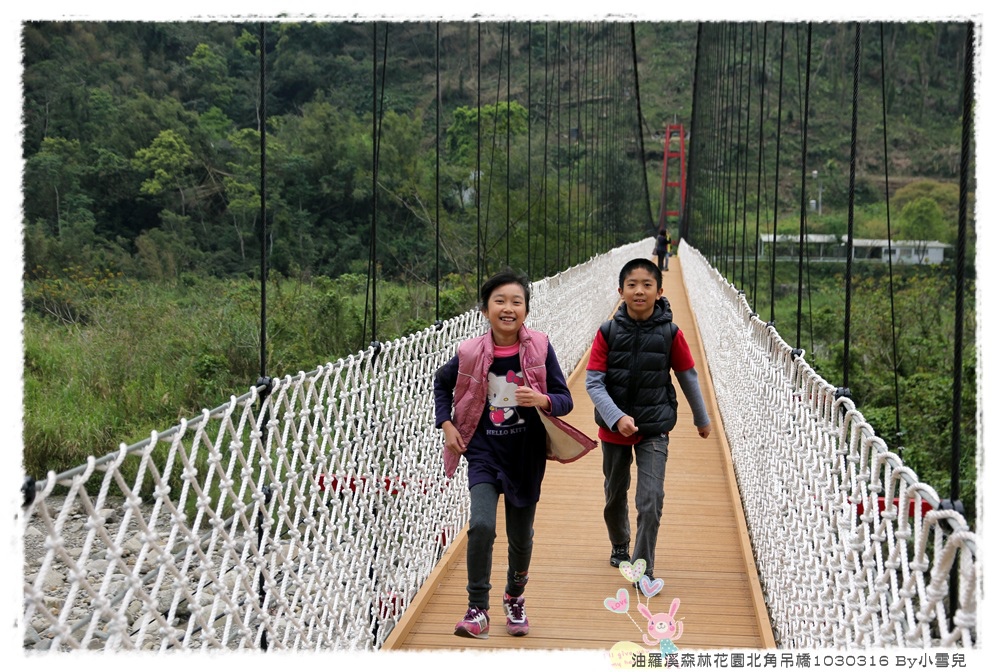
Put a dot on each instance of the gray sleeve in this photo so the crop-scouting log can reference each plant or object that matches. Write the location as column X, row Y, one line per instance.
column 607, row 409
column 692, row 392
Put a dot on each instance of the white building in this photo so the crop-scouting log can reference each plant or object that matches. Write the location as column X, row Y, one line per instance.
column 828, row 247
column 900, row 251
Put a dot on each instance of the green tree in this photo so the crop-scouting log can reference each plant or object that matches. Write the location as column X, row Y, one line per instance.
column 169, row 159
column 53, row 175
column 469, row 124
column 922, row 221
column 210, row 85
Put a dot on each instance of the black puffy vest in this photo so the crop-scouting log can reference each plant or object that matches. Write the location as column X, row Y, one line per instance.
column 638, row 376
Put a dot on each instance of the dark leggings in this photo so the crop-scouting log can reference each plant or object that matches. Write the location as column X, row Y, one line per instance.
column 483, row 531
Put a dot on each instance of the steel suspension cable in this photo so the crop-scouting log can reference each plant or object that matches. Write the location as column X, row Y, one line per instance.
column 507, row 236
column 583, row 173
column 725, row 104
column 736, row 112
column 846, row 389
column 963, row 192
column 263, row 380
column 437, row 173
column 777, row 164
column 528, row 190
column 746, row 164
column 262, row 116
column 480, row 248
column 559, row 261
column 545, row 162
column 714, row 112
column 378, row 109
column 493, row 154
column 760, row 163
column 888, row 235
column 695, row 127
column 720, row 149
column 571, row 173
column 802, row 193
column 642, row 144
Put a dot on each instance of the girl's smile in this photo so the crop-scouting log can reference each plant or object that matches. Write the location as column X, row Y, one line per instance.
column 506, row 311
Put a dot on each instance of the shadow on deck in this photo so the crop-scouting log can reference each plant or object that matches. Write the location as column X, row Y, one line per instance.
column 703, row 552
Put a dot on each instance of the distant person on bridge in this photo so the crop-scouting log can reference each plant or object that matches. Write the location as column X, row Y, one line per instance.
column 662, row 249
column 488, row 400
column 635, row 405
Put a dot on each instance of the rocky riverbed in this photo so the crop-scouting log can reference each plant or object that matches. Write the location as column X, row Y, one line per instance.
column 82, row 591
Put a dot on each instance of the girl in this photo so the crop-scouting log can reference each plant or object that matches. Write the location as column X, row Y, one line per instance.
column 497, row 402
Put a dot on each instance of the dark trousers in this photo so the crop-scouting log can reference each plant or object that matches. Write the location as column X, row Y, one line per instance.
column 651, row 465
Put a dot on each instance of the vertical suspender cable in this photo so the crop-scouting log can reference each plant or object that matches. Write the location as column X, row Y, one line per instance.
column 583, row 87
column 545, row 164
column 374, row 344
column 760, row 162
column 528, row 190
column 591, row 69
column 888, row 235
column 846, row 389
column 580, row 218
column 695, row 127
column 642, row 144
column 777, row 163
column 493, row 156
column 263, row 205
column 956, row 411
column 802, row 194
column 720, row 143
column 746, row 161
column 735, row 150
column 605, row 80
column 956, row 406
column 378, row 109
column 263, row 379
column 570, row 159
column 559, row 260
column 508, row 136
column 722, row 148
column 717, row 108
column 480, row 252
column 371, row 243
column 437, row 173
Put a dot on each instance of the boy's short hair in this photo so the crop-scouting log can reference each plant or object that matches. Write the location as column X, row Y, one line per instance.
column 505, row 277
column 640, row 263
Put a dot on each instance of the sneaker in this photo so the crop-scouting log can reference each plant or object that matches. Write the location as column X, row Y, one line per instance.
column 517, row 620
column 619, row 554
column 475, row 624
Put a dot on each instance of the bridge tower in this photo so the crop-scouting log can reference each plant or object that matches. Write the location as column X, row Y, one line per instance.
column 673, row 186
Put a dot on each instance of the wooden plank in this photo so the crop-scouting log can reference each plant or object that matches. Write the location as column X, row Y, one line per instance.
column 702, row 551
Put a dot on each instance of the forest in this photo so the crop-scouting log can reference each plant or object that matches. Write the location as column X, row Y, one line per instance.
column 417, row 156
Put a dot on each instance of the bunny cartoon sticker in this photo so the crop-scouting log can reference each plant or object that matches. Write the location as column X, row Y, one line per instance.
column 662, row 628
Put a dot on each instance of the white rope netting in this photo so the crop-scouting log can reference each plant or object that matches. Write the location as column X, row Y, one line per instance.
column 850, row 546
column 307, row 518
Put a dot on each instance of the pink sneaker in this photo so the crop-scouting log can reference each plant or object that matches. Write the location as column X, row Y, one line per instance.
column 475, row 624
column 517, row 620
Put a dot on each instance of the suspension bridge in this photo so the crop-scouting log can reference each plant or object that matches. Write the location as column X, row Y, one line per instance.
column 312, row 513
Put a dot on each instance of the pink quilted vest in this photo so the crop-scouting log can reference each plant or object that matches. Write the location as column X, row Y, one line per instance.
column 564, row 443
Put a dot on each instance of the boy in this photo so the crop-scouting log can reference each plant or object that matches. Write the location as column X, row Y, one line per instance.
column 628, row 379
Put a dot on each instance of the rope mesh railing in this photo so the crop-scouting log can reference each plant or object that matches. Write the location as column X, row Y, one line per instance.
column 853, row 551
column 306, row 518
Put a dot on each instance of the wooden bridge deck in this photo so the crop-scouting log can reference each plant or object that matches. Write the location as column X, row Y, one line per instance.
column 703, row 550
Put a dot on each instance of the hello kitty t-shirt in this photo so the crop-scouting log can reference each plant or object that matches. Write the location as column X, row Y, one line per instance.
column 508, row 448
